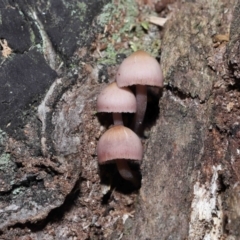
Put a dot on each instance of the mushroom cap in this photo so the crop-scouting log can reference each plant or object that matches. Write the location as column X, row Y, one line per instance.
column 119, row 142
column 115, row 99
column 139, row 68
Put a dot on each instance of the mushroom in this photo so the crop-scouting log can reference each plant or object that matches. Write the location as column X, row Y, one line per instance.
column 142, row 70
column 116, row 100
column 120, row 144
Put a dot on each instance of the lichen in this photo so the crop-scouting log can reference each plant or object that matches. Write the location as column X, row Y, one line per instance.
column 2, row 136
column 83, row 8
column 18, row 190
column 4, row 161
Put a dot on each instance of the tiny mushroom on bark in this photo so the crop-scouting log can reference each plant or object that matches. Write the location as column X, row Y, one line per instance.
column 117, row 101
column 142, row 70
column 120, row 144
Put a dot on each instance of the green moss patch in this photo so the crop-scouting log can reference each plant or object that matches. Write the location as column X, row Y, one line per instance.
column 126, row 30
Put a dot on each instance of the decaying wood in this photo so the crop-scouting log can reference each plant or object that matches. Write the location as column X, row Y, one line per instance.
column 51, row 186
column 190, row 170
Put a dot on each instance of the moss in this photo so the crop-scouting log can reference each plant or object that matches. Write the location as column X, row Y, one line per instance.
column 106, row 14
column 125, row 31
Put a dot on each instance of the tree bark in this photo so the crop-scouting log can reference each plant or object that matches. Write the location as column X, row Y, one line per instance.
column 55, row 60
column 191, row 170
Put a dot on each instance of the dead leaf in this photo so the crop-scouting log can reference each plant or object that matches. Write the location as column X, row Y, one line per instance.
column 6, row 51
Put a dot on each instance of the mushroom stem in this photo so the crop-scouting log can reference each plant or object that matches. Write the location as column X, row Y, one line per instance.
column 117, row 118
column 126, row 173
column 141, row 97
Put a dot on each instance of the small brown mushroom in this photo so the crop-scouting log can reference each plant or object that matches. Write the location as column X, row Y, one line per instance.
column 120, row 144
column 117, row 101
column 142, row 70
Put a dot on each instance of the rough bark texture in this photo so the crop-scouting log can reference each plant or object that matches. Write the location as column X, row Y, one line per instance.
column 190, row 173
column 56, row 57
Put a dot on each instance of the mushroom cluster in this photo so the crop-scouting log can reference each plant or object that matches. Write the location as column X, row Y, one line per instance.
column 120, row 144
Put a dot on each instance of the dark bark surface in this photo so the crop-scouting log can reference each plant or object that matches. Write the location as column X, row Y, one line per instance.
column 40, row 163
column 56, row 57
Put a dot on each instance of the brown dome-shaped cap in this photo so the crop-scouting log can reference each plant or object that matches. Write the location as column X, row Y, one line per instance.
column 139, row 69
column 115, row 99
column 119, row 142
